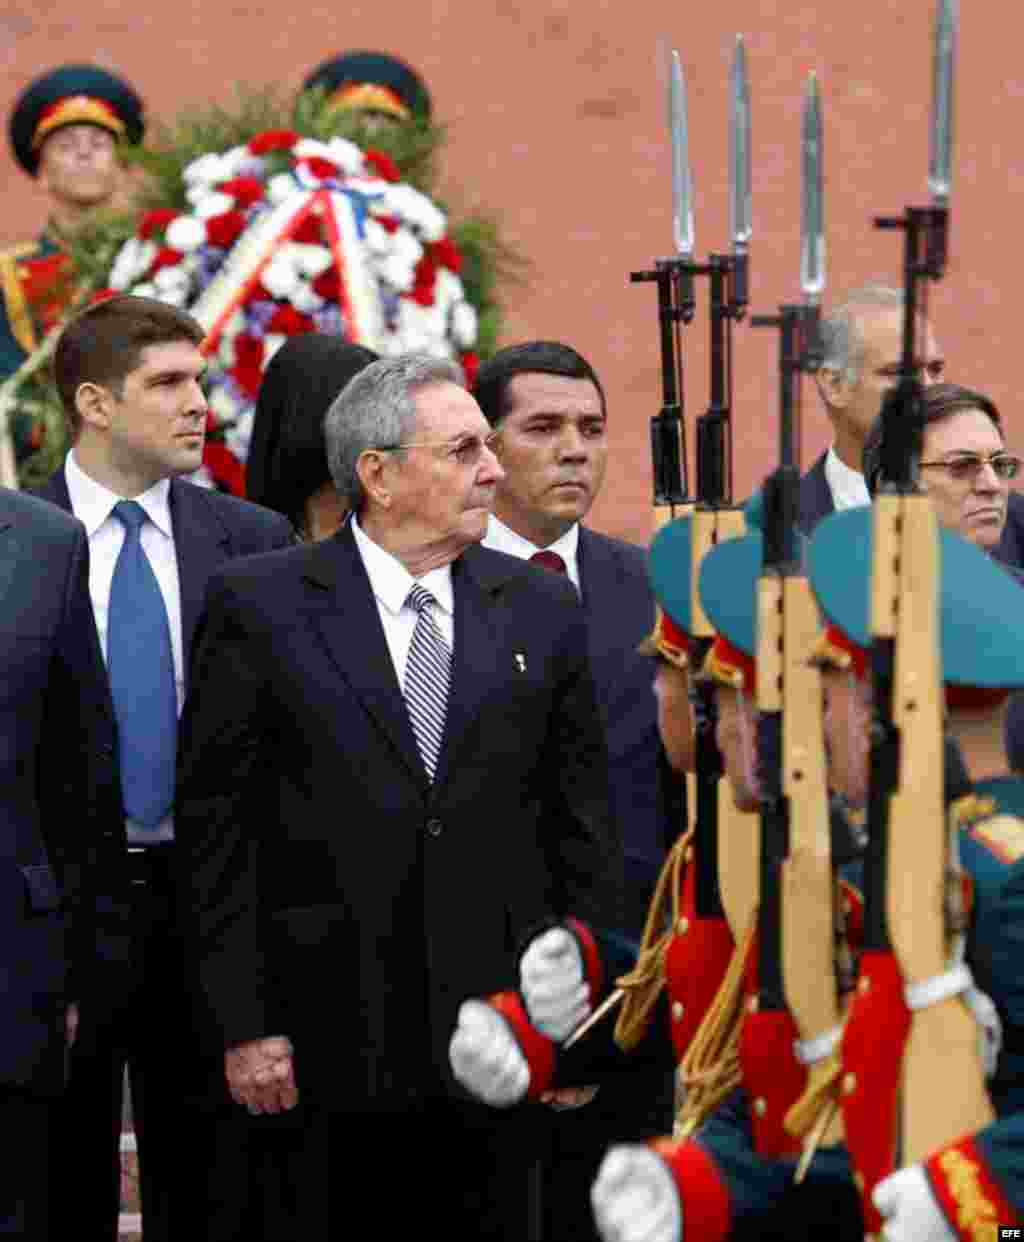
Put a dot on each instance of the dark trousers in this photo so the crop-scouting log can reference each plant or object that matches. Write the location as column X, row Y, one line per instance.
column 135, row 1012
column 25, row 1189
column 457, row 1172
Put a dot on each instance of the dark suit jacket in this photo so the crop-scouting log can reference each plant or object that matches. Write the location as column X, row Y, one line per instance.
column 815, row 496
column 647, row 799
column 209, row 530
column 336, row 896
column 49, row 691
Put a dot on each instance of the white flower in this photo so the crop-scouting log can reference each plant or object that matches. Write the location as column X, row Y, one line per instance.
column 397, row 272
column 311, row 149
column 175, row 296
column 346, row 154
column 222, row 405
column 376, row 236
column 239, row 434
column 281, row 186
column 209, row 168
column 272, row 342
column 409, row 204
column 463, row 325
column 306, row 299
column 311, row 260
column 211, row 205
column 186, row 233
column 447, row 288
column 280, row 278
column 132, row 260
column 169, row 279
column 146, row 290
column 234, row 161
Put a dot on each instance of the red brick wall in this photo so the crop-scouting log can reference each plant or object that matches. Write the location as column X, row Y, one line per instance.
column 556, row 120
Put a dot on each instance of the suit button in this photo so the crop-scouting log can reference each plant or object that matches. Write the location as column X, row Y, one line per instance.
column 434, row 827
column 106, row 750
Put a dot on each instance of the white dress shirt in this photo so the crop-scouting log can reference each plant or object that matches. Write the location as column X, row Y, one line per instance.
column 502, row 538
column 93, row 504
column 848, row 487
column 391, row 583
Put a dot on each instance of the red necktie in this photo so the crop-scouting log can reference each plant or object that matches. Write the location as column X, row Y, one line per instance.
column 549, row 560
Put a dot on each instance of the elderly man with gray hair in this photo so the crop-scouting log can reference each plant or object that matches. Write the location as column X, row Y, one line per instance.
column 392, row 767
column 862, row 342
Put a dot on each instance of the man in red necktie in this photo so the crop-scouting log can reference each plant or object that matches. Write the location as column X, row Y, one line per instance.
column 548, row 409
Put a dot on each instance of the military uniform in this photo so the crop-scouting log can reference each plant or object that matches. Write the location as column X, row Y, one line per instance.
column 35, row 277
column 371, row 82
column 978, row 1180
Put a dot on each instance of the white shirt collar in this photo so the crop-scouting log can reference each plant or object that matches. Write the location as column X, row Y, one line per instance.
column 502, row 538
column 848, row 487
column 92, row 502
column 391, row 582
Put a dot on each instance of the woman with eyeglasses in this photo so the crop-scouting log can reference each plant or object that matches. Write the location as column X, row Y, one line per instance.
column 966, row 469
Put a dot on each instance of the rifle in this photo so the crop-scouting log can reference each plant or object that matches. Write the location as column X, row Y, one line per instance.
column 900, row 1101
column 698, row 948
column 796, row 996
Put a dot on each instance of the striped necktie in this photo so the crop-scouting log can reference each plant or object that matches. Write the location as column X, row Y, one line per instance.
column 428, row 675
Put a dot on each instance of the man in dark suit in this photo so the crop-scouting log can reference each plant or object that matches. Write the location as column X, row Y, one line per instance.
column 129, row 372
column 391, row 768
column 49, row 774
column 862, row 341
column 548, row 407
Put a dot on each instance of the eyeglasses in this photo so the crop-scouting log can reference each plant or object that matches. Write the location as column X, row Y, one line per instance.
column 466, row 452
column 967, row 466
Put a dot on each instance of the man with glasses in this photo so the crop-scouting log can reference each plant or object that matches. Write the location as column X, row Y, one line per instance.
column 967, row 470
column 392, row 768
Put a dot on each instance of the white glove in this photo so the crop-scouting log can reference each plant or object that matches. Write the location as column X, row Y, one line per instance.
column 486, row 1058
column 911, row 1211
column 551, row 981
column 635, row 1198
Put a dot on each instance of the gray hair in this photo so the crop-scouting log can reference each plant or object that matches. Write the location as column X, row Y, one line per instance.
column 842, row 343
column 376, row 410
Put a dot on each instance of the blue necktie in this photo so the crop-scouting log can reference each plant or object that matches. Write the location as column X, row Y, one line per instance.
column 141, row 670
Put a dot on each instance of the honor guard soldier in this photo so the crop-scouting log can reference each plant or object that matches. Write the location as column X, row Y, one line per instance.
column 65, row 131
column 964, row 1188
column 372, row 83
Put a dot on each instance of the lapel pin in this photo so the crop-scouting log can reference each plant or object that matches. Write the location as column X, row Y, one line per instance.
column 521, row 661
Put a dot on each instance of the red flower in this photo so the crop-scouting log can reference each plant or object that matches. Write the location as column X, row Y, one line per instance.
column 248, row 368
column 166, row 257
column 320, row 167
column 273, row 140
column 423, row 281
column 244, row 190
column 290, row 322
column 383, row 164
column 104, row 295
column 156, row 221
column 309, row 231
column 222, row 230
column 470, row 365
column 446, row 254
column 328, row 285
column 390, row 224
column 225, row 467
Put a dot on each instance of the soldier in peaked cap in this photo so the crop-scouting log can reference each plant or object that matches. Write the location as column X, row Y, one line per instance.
column 373, row 83
column 978, row 1180
column 65, row 131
